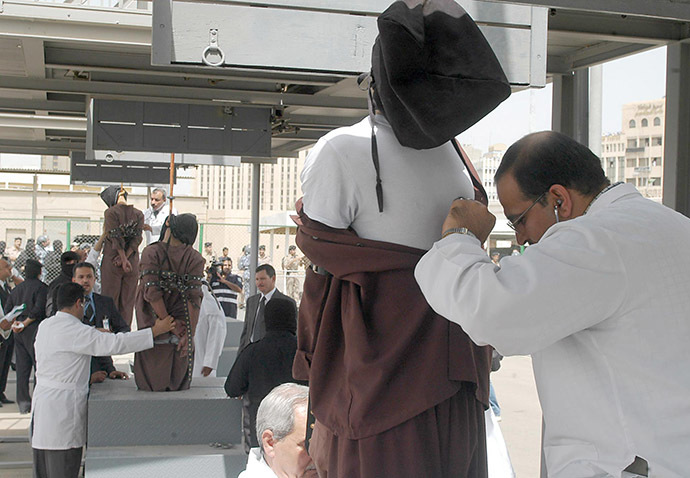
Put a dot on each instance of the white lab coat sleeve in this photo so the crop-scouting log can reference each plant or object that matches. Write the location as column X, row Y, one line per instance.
column 92, row 257
column 90, row 341
column 571, row 280
column 215, row 331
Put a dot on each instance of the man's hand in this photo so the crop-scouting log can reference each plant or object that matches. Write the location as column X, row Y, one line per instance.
column 147, row 227
column 166, row 324
column 182, row 346
column 206, row 371
column 98, row 377
column 18, row 327
column 117, row 375
column 126, row 266
column 470, row 214
column 5, row 325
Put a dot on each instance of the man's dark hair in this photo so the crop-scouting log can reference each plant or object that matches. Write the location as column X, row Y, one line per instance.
column 79, row 265
column 280, row 314
column 270, row 271
column 68, row 294
column 540, row 160
column 17, row 238
column 32, row 269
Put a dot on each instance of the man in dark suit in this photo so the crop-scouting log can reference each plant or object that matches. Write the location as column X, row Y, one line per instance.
column 255, row 328
column 6, row 345
column 98, row 309
column 254, row 324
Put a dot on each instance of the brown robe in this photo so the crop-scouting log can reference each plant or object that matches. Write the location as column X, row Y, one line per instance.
column 163, row 368
column 123, row 226
column 396, row 389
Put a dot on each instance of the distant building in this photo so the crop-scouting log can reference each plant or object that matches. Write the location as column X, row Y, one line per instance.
column 487, row 166
column 228, row 188
column 636, row 155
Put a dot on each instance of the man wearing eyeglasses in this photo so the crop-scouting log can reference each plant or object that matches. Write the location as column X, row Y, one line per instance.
column 600, row 300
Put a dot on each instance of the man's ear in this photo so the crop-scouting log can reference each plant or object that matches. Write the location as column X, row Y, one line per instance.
column 268, row 443
column 561, row 199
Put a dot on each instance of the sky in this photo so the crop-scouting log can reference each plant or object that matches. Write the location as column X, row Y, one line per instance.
column 637, row 77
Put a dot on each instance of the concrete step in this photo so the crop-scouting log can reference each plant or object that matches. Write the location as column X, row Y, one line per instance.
column 234, row 332
column 120, row 415
column 164, row 461
column 227, row 358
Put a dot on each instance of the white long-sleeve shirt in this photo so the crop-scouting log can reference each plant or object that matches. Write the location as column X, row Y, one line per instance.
column 64, row 347
column 156, row 222
column 601, row 303
column 209, row 336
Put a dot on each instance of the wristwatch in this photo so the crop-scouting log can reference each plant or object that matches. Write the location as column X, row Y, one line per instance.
column 458, row 230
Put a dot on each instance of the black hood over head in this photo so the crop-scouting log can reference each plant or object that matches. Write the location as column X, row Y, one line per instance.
column 434, row 73
column 68, row 269
column 184, row 227
column 109, row 195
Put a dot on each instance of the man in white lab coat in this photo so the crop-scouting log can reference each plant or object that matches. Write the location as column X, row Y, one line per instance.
column 64, row 346
column 155, row 216
column 209, row 336
column 600, row 301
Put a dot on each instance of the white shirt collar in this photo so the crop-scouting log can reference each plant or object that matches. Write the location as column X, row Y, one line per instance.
column 269, row 295
column 611, row 196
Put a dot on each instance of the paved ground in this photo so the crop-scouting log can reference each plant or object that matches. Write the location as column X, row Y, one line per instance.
column 520, row 414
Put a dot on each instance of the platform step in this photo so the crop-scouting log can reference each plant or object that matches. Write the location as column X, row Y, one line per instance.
column 121, row 415
column 164, row 461
column 226, row 360
column 234, row 332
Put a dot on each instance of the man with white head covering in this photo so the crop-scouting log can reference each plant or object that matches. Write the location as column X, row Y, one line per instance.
column 382, row 366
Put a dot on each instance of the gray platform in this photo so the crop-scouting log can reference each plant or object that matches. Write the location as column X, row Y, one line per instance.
column 234, row 332
column 164, row 461
column 121, row 415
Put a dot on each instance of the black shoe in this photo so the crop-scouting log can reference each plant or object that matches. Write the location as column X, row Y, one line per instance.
column 4, row 399
column 13, row 366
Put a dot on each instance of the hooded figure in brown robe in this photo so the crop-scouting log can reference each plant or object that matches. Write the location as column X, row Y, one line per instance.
column 170, row 285
column 120, row 266
column 395, row 389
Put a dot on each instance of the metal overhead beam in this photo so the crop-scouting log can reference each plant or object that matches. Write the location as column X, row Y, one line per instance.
column 45, row 144
column 43, row 105
column 69, row 123
column 668, row 9
column 608, row 27
column 104, row 89
column 594, row 55
column 72, row 23
column 32, row 150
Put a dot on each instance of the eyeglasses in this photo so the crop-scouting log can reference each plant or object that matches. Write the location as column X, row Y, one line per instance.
column 514, row 224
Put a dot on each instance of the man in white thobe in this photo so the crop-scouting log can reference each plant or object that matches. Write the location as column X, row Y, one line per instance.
column 209, row 336
column 600, row 301
column 156, row 215
column 64, row 346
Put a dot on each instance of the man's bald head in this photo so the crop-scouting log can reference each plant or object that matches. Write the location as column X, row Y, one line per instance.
column 540, row 160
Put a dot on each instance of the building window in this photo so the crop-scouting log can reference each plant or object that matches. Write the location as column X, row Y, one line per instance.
column 657, row 121
column 632, row 143
column 646, row 141
column 656, row 161
column 644, row 162
column 645, row 123
column 656, row 141
column 631, row 163
column 631, row 124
